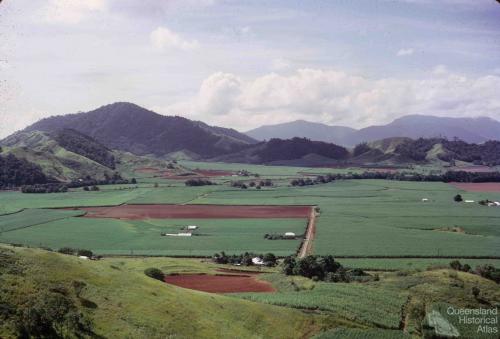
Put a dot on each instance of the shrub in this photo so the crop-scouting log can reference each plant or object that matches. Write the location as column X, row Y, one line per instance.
column 67, row 250
column 154, row 273
column 458, row 198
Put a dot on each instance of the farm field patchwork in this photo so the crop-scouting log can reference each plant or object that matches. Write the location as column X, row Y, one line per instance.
column 358, row 218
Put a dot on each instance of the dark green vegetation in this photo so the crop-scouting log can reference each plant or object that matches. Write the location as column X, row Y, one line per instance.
column 324, row 268
column 154, row 273
column 15, row 172
column 85, row 146
column 245, row 259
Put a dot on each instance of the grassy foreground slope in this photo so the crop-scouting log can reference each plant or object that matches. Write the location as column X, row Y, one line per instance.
column 121, row 303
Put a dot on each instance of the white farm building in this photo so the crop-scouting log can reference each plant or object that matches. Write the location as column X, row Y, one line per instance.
column 289, row 235
column 191, row 227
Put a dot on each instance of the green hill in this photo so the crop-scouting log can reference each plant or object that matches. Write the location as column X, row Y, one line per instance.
column 56, row 161
column 67, row 155
column 57, row 295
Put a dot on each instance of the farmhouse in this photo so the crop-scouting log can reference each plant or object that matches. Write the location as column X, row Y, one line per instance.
column 257, row 261
column 469, row 201
column 425, row 199
column 289, row 235
column 180, row 234
column 191, row 227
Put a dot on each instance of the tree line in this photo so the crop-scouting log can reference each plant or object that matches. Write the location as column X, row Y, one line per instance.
column 87, row 182
column 449, row 176
column 324, row 268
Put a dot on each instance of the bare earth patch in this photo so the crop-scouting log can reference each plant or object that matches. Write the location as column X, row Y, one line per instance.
column 477, row 186
column 220, row 283
column 138, row 212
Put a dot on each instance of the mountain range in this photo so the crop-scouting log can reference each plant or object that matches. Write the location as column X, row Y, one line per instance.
column 121, row 136
column 474, row 130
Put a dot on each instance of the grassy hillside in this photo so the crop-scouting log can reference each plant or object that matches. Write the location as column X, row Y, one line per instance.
column 56, row 161
column 108, row 300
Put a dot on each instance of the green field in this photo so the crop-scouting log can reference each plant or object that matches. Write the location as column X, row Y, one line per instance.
column 142, row 237
column 33, row 217
column 394, row 264
column 340, row 299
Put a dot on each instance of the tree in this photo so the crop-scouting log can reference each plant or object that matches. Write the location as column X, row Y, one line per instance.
column 154, row 273
column 456, row 265
column 476, row 291
column 269, row 259
column 133, row 181
column 458, row 198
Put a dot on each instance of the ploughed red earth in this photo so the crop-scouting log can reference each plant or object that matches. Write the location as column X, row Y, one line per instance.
column 220, row 283
column 138, row 212
column 477, row 186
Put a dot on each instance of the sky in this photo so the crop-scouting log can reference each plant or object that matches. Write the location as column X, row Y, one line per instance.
column 243, row 64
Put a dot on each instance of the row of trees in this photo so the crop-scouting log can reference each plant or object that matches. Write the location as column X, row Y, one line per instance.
column 449, row 176
column 44, row 188
column 198, row 182
column 257, row 185
column 87, row 183
column 245, row 259
column 324, row 268
column 320, row 179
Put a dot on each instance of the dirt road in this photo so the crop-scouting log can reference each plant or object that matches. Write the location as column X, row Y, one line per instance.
column 306, row 247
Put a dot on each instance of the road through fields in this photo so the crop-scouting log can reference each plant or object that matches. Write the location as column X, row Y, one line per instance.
column 306, row 247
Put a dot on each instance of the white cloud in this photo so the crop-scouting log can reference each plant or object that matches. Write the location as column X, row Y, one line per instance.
column 72, row 11
column 337, row 97
column 163, row 38
column 405, row 52
column 280, row 64
column 218, row 94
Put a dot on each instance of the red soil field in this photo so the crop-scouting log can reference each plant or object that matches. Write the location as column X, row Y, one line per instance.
column 220, row 283
column 477, row 186
column 138, row 212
